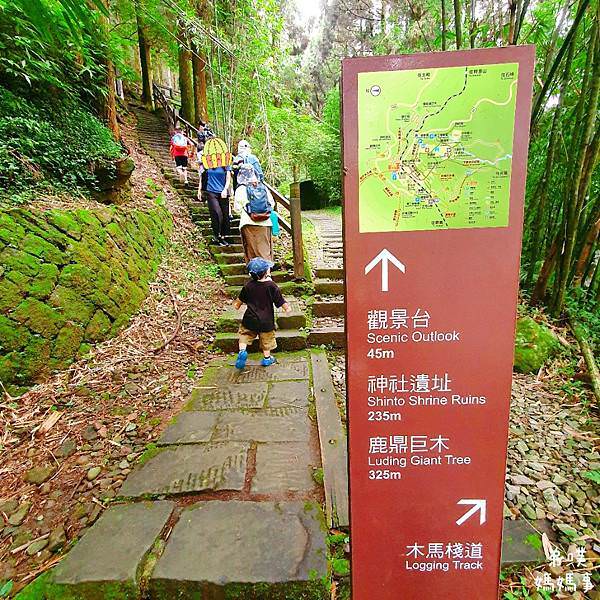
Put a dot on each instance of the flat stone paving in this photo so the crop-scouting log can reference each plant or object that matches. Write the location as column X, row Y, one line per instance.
column 217, row 544
column 246, row 439
column 105, row 556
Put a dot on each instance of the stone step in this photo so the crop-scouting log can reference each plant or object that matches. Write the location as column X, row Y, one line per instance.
column 241, row 279
column 288, row 289
column 329, row 273
column 328, row 309
column 230, row 320
column 334, row 337
column 240, row 268
column 233, row 232
column 231, row 249
column 287, row 339
column 329, row 286
column 228, row 258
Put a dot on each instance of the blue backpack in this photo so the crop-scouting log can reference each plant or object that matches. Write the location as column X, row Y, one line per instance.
column 258, row 206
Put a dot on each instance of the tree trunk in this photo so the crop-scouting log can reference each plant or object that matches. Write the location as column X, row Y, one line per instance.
column 543, row 188
column 458, row 24
column 512, row 20
column 472, row 24
column 586, row 252
column 108, row 103
column 145, row 60
column 575, row 195
column 443, row 24
column 541, row 285
column 200, row 97
column 185, row 78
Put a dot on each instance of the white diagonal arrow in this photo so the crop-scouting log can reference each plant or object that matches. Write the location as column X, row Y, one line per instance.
column 476, row 505
column 385, row 257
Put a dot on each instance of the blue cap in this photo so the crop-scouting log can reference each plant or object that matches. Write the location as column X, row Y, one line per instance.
column 258, row 265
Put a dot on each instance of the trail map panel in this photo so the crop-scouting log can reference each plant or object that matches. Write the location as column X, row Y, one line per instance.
column 435, row 147
column 435, row 158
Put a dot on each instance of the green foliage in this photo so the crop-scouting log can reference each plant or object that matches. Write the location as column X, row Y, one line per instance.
column 593, row 476
column 50, row 145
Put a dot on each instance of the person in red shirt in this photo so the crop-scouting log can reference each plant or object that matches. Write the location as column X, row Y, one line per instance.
column 179, row 150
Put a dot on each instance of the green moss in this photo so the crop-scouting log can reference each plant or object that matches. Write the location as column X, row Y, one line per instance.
column 38, row 246
column 534, row 345
column 10, row 295
column 67, row 342
column 18, row 260
column 87, row 217
column 39, row 317
column 292, row 590
column 34, row 361
column 84, row 349
column 98, row 327
column 10, row 231
column 12, row 337
column 44, row 588
column 151, row 451
column 44, row 282
column 70, row 305
column 340, row 567
column 65, row 222
column 77, row 276
column 19, row 279
column 317, row 475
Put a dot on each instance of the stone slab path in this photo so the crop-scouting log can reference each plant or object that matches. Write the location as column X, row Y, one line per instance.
column 223, row 506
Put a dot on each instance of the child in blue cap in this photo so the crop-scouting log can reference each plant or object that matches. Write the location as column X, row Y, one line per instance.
column 259, row 295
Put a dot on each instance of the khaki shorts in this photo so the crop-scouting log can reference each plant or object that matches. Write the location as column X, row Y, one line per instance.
column 266, row 338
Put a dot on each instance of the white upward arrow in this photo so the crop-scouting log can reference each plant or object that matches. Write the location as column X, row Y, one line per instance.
column 385, row 257
column 476, row 505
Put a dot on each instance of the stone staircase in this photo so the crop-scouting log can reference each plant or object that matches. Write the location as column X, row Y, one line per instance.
column 328, row 308
column 291, row 335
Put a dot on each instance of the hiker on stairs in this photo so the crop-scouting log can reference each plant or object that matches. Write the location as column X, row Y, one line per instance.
column 255, row 214
column 245, row 156
column 179, row 150
column 260, row 295
column 216, row 160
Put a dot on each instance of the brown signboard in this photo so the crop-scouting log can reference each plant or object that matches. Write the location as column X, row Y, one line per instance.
column 435, row 158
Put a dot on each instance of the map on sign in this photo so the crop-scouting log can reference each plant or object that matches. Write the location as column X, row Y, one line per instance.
column 435, row 147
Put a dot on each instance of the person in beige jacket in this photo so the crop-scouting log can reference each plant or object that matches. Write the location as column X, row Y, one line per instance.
column 257, row 236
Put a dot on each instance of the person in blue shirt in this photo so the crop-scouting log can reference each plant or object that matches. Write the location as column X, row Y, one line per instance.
column 216, row 193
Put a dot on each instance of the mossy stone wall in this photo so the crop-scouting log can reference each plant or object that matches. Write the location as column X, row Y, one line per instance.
column 68, row 279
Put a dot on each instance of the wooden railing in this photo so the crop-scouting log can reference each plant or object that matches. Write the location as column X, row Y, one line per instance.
column 292, row 205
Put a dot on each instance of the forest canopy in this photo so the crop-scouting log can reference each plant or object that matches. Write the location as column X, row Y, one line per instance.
column 269, row 72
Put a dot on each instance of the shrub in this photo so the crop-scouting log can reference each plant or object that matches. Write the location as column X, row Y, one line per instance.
column 49, row 146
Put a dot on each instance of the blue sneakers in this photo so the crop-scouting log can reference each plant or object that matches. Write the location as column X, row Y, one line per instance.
column 267, row 362
column 242, row 357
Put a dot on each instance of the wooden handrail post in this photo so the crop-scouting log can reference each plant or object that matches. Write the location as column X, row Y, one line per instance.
column 297, row 245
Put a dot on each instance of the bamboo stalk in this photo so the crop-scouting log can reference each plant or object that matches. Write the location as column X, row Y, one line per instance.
column 588, row 356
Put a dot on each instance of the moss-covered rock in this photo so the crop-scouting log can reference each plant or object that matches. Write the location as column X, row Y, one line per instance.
column 44, row 282
column 71, row 305
column 98, row 327
column 12, row 337
column 534, row 345
column 69, row 278
column 67, row 343
column 38, row 317
column 38, row 246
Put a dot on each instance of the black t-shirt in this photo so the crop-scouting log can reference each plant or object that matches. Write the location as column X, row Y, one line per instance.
column 259, row 297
